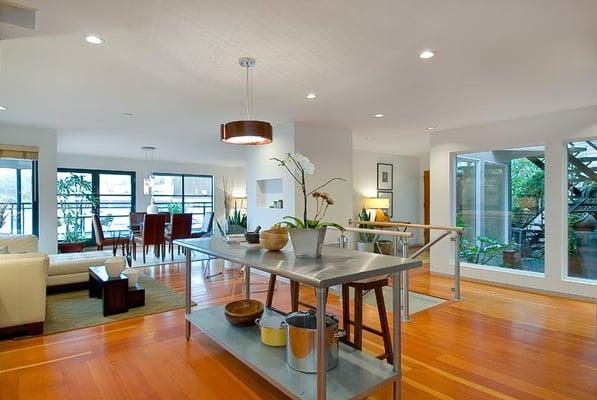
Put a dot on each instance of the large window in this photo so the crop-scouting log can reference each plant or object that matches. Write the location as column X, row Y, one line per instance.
column 18, row 200
column 500, row 203
column 582, row 209
column 184, row 193
column 82, row 193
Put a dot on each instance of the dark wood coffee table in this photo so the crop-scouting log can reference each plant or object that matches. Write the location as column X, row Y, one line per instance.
column 115, row 292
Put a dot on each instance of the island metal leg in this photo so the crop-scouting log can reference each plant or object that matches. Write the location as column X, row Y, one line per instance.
column 247, row 282
column 188, row 293
column 321, row 319
column 397, row 333
column 405, row 286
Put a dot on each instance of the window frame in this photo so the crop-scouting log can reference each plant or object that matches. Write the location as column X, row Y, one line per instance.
column 95, row 183
column 183, row 195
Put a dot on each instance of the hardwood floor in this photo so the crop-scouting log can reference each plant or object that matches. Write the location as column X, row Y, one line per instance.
column 496, row 344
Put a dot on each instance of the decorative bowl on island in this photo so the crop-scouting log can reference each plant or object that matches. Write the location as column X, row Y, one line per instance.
column 243, row 312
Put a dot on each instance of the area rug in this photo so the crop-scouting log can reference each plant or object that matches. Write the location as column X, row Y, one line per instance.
column 73, row 310
column 418, row 302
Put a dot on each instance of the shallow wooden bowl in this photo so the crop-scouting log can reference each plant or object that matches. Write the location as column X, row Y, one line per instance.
column 272, row 240
column 243, row 312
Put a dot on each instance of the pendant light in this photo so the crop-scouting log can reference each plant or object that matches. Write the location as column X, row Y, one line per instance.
column 149, row 179
column 247, row 131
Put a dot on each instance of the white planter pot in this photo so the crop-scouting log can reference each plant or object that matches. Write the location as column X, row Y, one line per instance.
column 115, row 266
column 133, row 275
column 307, row 243
column 365, row 246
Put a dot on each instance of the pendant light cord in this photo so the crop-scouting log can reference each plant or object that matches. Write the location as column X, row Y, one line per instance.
column 249, row 83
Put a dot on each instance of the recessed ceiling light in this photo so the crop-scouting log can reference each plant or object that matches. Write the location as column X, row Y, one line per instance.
column 3, row 108
column 378, row 115
column 312, row 96
column 93, row 39
column 431, row 128
column 426, row 54
column 370, row 139
column 128, row 114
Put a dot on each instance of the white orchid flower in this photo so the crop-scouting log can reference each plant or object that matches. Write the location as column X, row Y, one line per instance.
column 305, row 163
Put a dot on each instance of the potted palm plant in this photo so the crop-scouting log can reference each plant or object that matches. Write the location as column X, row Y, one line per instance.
column 74, row 195
column 307, row 234
column 366, row 241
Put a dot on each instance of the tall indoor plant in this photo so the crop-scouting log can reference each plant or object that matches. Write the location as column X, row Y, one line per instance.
column 306, row 234
column 74, row 194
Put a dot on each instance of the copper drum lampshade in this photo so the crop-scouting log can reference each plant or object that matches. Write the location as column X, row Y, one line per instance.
column 246, row 132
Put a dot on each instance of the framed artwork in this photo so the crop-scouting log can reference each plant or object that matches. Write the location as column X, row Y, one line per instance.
column 387, row 195
column 385, row 176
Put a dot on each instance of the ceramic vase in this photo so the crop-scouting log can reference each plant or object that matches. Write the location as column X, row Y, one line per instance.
column 365, row 246
column 115, row 266
column 133, row 275
column 307, row 243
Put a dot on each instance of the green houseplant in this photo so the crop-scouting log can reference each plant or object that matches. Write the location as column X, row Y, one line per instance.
column 307, row 234
column 74, row 194
column 366, row 241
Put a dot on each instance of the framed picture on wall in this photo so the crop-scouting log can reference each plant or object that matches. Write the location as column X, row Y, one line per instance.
column 385, row 176
column 387, row 195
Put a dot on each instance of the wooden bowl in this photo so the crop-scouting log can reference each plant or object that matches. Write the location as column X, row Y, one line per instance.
column 243, row 312
column 272, row 240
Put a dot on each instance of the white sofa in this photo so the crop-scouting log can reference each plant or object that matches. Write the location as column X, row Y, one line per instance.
column 23, row 292
column 26, row 276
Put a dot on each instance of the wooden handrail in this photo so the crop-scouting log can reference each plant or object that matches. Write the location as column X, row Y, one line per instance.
column 378, row 232
column 402, row 224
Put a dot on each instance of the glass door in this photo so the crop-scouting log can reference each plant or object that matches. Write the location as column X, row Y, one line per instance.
column 18, row 197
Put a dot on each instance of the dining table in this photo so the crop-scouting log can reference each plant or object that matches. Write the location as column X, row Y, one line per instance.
column 358, row 374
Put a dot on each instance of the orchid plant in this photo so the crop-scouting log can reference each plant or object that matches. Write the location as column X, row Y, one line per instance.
column 298, row 166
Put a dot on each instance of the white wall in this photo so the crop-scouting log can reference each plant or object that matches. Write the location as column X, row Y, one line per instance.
column 140, row 166
column 259, row 166
column 330, row 149
column 551, row 130
column 408, row 180
column 45, row 140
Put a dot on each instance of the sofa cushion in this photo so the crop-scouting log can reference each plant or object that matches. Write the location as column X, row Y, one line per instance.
column 19, row 243
column 74, row 263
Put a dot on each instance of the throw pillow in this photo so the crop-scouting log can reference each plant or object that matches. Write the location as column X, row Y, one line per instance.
column 4, row 250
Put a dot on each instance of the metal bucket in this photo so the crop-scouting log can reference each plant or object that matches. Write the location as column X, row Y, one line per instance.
column 301, row 341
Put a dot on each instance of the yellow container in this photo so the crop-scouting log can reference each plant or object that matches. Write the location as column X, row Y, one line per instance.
column 273, row 331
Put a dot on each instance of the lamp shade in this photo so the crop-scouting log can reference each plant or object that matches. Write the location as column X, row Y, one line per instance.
column 374, row 202
column 246, row 132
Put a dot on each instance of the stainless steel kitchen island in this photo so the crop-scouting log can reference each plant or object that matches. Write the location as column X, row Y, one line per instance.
column 357, row 374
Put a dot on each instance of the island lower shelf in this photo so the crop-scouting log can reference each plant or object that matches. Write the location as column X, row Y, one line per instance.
column 357, row 375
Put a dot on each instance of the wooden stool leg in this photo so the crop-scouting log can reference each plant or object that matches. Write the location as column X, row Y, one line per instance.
column 294, row 295
column 385, row 326
column 270, row 291
column 358, row 319
column 346, row 312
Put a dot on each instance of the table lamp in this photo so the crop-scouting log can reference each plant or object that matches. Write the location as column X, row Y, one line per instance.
column 374, row 206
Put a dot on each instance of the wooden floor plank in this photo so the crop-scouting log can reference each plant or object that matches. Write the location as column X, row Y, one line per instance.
column 497, row 344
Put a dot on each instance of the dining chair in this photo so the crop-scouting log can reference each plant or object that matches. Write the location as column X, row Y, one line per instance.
column 151, row 235
column 180, row 229
column 136, row 221
column 101, row 240
column 206, row 227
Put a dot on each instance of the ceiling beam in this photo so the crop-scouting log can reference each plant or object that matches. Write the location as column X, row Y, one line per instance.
column 18, row 15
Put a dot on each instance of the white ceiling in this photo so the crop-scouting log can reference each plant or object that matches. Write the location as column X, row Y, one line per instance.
column 174, row 65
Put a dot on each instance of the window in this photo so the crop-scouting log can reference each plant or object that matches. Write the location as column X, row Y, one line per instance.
column 18, row 200
column 500, row 203
column 582, row 209
column 184, row 193
column 82, row 193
